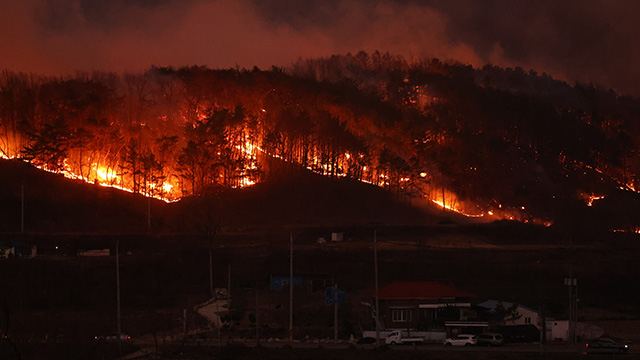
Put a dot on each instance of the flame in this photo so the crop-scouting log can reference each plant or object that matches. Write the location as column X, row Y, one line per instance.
column 168, row 191
column 591, row 198
column 454, row 209
column 104, row 174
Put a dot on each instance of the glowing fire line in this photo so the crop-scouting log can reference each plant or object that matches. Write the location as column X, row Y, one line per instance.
column 105, row 177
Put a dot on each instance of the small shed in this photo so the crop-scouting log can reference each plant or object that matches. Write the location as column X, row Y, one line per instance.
column 7, row 250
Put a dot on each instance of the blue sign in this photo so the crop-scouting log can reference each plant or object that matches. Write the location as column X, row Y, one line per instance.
column 328, row 296
column 279, row 282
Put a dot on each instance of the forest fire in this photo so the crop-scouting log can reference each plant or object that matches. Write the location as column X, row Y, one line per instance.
column 454, row 209
column 104, row 175
column 171, row 133
column 592, row 198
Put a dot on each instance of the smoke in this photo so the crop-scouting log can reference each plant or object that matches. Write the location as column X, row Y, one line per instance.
column 574, row 40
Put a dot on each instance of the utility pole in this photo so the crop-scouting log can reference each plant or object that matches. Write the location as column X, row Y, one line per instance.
column 211, row 270
column 291, row 287
column 375, row 265
column 335, row 313
column 575, row 311
column 184, row 322
column 148, row 211
column 219, row 322
column 257, row 322
column 119, row 330
column 572, row 284
column 22, row 212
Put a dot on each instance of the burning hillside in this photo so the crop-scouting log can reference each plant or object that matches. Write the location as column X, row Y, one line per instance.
column 487, row 143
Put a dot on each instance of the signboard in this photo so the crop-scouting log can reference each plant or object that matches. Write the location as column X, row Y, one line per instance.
column 328, row 296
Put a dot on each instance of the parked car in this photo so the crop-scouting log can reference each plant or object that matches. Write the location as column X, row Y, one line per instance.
column 490, row 339
column 113, row 337
column 605, row 345
column 397, row 338
column 461, row 340
column 366, row 340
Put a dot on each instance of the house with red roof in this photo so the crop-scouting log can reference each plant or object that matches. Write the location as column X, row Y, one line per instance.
column 422, row 305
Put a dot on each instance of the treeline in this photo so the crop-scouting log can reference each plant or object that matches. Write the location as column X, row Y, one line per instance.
column 501, row 139
column 505, row 136
column 178, row 132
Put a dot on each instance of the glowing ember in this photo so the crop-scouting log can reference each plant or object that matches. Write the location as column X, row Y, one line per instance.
column 593, row 198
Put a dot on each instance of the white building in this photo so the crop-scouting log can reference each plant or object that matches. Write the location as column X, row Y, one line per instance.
column 523, row 315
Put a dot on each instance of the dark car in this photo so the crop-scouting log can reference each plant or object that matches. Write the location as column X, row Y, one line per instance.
column 490, row 339
column 605, row 345
column 113, row 337
column 367, row 340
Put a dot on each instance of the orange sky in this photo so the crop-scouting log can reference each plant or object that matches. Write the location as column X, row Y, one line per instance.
column 574, row 40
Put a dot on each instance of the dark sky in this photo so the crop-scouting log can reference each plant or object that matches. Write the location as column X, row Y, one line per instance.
column 573, row 40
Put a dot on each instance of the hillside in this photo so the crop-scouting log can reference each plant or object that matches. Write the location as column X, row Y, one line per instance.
column 55, row 204
column 490, row 143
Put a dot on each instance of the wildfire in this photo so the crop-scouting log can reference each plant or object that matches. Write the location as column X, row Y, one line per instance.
column 454, row 209
column 168, row 191
column 634, row 231
column 592, row 198
column 105, row 175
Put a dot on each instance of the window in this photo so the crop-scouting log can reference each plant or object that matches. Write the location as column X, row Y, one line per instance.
column 401, row 315
column 527, row 320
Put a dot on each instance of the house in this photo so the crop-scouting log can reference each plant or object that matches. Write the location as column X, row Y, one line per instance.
column 559, row 330
column 425, row 305
column 507, row 313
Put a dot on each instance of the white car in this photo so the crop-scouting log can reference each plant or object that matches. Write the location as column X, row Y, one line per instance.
column 461, row 340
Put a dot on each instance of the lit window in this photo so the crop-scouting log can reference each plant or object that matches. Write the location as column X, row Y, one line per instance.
column 401, row 315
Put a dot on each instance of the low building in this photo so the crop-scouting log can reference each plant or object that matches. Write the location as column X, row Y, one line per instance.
column 559, row 331
column 424, row 305
column 511, row 313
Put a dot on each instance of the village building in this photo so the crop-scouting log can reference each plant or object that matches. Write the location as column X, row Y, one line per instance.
column 511, row 313
column 423, row 306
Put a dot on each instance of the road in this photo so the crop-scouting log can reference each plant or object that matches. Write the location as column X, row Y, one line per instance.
column 507, row 349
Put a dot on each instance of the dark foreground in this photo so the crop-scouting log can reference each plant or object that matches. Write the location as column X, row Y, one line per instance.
column 297, row 351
